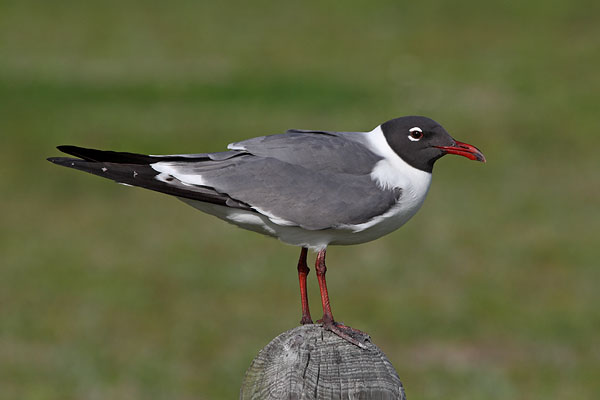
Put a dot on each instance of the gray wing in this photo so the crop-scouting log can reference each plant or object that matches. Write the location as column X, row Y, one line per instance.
column 315, row 150
column 289, row 194
column 313, row 179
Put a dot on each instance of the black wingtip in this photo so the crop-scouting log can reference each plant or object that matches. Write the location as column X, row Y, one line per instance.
column 95, row 155
column 72, row 150
column 65, row 161
column 54, row 160
column 65, row 148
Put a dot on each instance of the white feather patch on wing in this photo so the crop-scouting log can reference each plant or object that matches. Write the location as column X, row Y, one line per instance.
column 167, row 169
column 235, row 146
column 275, row 219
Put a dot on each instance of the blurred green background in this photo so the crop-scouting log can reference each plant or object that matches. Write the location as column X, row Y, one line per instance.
column 107, row 292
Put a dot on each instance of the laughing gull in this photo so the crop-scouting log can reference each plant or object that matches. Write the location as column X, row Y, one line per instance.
column 308, row 188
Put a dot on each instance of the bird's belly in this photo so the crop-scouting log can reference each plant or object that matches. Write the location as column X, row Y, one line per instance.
column 378, row 226
column 315, row 239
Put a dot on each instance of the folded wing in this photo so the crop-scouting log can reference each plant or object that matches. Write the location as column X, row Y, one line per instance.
column 312, row 179
column 315, row 150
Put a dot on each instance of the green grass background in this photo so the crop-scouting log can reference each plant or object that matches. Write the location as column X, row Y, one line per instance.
column 107, row 292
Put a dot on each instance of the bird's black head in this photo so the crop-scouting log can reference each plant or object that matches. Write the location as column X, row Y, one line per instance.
column 420, row 141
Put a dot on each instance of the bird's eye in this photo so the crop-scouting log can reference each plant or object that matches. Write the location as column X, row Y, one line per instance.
column 415, row 134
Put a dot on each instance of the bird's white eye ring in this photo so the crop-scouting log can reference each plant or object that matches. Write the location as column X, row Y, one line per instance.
column 415, row 134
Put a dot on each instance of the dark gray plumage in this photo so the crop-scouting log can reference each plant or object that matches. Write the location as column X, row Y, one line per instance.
column 282, row 175
column 316, row 150
column 291, row 191
column 287, row 175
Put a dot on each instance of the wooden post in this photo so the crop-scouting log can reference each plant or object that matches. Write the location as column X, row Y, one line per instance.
column 309, row 362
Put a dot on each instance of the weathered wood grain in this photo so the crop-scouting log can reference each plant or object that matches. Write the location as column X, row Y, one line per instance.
column 309, row 362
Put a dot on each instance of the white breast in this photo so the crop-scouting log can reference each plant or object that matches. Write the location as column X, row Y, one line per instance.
column 392, row 172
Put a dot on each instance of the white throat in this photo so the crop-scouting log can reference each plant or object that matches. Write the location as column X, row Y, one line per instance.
column 393, row 171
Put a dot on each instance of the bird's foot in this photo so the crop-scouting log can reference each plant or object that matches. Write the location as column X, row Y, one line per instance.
column 306, row 320
column 354, row 331
column 351, row 335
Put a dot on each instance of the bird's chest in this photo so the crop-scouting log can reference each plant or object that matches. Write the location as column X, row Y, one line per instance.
column 407, row 205
column 411, row 199
column 412, row 184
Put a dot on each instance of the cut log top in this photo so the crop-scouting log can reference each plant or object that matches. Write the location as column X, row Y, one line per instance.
column 309, row 362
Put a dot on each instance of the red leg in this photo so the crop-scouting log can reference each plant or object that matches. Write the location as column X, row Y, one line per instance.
column 351, row 335
column 303, row 271
column 321, row 269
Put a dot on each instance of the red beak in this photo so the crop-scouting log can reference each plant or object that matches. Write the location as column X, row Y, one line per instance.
column 465, row 150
